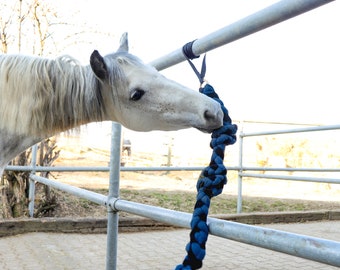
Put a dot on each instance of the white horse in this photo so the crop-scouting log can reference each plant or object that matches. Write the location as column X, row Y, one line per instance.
column 41, row 97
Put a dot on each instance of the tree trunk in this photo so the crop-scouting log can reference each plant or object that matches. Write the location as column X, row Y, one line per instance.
column 14, row 194
column 15, row 184
column 5, row 208
column 18, row 196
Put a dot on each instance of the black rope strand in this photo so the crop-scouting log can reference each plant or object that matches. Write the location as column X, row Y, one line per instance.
column 189, row 54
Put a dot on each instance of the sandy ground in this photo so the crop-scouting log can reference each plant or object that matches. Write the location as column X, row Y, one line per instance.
column 79, row 155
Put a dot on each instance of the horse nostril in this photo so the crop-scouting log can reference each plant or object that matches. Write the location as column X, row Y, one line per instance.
column 209, row 115
column 214, row 119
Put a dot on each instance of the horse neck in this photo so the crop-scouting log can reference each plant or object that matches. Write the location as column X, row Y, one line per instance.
column 78, row 100
column 51, row 95
column 90, row 99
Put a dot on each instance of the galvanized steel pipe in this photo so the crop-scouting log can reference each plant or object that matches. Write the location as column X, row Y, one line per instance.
column 312, row 248
column 79, row 192
column 260, row 20
column 316, row 249
column 112, row 215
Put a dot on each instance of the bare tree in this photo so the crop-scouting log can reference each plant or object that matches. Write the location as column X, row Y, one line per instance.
column 14, row 185
column 42, row 16
column 5, row 24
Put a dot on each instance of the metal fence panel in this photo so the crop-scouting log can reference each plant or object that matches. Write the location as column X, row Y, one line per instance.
column 317, row 249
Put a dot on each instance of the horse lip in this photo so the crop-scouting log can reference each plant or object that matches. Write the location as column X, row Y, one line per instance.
column 205, row 130
column 209, row 129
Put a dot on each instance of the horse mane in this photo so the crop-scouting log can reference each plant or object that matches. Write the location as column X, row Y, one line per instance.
column 40, row 96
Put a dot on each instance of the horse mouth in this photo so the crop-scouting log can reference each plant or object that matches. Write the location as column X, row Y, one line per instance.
column 209, row 129
column 205, row 130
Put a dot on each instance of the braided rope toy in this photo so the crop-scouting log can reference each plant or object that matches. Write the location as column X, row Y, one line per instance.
column 210, row 183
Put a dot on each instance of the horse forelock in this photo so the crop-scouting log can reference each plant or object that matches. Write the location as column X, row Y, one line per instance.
column 41, row 96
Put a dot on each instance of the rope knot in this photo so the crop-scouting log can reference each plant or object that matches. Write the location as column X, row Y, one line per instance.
column 188, row 52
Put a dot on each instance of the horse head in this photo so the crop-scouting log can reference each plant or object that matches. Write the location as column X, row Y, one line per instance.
column 140, row 98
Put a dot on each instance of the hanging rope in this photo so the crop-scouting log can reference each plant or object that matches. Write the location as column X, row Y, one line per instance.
column 211, row 181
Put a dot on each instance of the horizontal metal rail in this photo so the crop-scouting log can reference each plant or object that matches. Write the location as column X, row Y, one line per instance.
column 57, row 168
column 295, row 130
column 258, row 21
column 101, row 169
column 292, row 178
column 290, row 169
column 79, row 192
column 175, row 169
column 312, row 248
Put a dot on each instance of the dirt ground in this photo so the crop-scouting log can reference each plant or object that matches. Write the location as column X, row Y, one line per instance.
column 316, row 195
column 77, row 155
column 183, row 180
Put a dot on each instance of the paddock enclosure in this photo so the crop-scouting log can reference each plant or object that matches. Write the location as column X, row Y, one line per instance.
column 316, row 249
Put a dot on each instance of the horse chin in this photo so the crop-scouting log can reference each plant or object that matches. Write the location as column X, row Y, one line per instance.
column 205, row 130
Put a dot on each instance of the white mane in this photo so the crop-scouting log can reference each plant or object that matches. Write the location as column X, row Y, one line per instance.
column 48, row 95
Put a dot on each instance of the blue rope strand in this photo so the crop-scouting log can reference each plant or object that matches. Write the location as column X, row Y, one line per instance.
column 210, row 184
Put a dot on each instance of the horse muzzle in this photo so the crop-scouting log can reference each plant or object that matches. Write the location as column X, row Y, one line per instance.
column 213, row 120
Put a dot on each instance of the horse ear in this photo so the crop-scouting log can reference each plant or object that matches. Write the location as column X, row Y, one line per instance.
column 98, row 65
column 124, row 44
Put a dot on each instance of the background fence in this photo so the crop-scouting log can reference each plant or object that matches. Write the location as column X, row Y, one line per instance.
column 312, row 248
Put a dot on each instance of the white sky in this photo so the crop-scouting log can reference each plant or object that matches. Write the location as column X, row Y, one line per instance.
column 286, row 73
column 289, row 72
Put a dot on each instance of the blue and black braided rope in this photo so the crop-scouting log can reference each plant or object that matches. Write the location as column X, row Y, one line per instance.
column 210, row 184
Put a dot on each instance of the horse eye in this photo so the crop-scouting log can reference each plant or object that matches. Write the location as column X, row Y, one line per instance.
column 137, row 94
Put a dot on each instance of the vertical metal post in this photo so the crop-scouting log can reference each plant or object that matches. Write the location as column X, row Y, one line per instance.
column 239, row 178
column 31, row 191
column 112, row 216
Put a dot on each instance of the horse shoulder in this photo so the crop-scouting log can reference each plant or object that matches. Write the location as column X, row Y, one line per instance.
column 12, row 145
